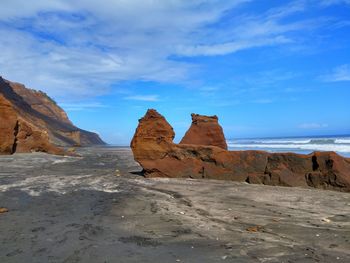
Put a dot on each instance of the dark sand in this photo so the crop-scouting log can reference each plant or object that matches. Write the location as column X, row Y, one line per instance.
column 98, row 209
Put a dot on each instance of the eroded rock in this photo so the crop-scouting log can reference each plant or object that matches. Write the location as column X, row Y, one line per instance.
column 154, row 149
column 205, row 130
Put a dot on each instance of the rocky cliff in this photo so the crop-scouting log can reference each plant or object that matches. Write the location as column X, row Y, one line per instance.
column 32, row 121
column 154, row 149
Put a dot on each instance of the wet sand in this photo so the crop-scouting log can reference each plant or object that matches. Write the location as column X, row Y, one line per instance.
column 97, row 208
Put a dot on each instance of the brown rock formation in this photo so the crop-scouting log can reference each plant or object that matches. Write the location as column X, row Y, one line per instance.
column 3, row 210
column 205, row 130
column 31, row 121
column 154, row 149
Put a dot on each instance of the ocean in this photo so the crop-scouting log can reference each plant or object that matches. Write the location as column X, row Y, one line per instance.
column 305, row 145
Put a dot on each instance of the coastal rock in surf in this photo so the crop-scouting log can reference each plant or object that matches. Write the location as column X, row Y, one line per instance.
column 154, row 149
column 205, row 130
column 30, row 121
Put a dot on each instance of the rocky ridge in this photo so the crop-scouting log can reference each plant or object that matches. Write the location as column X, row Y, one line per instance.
column 31, row 121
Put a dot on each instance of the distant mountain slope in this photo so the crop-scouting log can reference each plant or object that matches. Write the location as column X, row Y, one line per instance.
column 31, row 121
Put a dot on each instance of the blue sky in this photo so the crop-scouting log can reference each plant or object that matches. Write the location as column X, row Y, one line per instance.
column 265, row 68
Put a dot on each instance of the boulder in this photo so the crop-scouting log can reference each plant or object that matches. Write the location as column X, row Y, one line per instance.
column 154, row 149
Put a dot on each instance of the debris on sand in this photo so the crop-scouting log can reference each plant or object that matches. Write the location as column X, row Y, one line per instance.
column 3, row 210
column 72, row 150
column 254, row 229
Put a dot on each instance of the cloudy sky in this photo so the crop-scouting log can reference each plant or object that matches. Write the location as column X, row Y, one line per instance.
column 265, row 69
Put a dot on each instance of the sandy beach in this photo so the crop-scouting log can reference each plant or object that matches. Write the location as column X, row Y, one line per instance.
column 154, row 131
column 97, row 208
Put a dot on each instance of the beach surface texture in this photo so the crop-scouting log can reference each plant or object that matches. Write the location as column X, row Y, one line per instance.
column 97, row 208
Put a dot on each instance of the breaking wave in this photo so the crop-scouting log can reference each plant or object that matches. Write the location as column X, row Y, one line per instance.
column 338, row 144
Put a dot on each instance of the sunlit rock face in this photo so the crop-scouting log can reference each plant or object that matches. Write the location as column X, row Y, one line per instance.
column 154, row 149
column 205, row 130
column 32, row 121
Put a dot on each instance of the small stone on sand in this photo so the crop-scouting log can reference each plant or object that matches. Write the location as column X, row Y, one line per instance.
column 3, row 210
column 254, row 228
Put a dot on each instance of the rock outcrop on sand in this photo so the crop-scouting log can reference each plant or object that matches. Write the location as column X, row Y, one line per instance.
column 32, row 121
column 205, row 130
column 154, row 149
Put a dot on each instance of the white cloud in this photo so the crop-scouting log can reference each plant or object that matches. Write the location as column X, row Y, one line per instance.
column 334, row 2
column 82, row 106
column 21, row 8
column 313, row 125
column 251, row 31
column 92, row 45
column 340, row 73
column 230, row 47
column 143, row 97
column 79, row 49
column 288, row 9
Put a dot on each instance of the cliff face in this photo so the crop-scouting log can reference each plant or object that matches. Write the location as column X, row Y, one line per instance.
column 31, row 121
column 40, row 102
column 153, row 148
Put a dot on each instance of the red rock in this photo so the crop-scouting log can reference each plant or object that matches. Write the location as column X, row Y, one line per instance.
column 205, row 130
column 32, row 121
column 154, row 149
column 254, row 229
column 3, row 210
column 152, row 137
column 8, row 121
